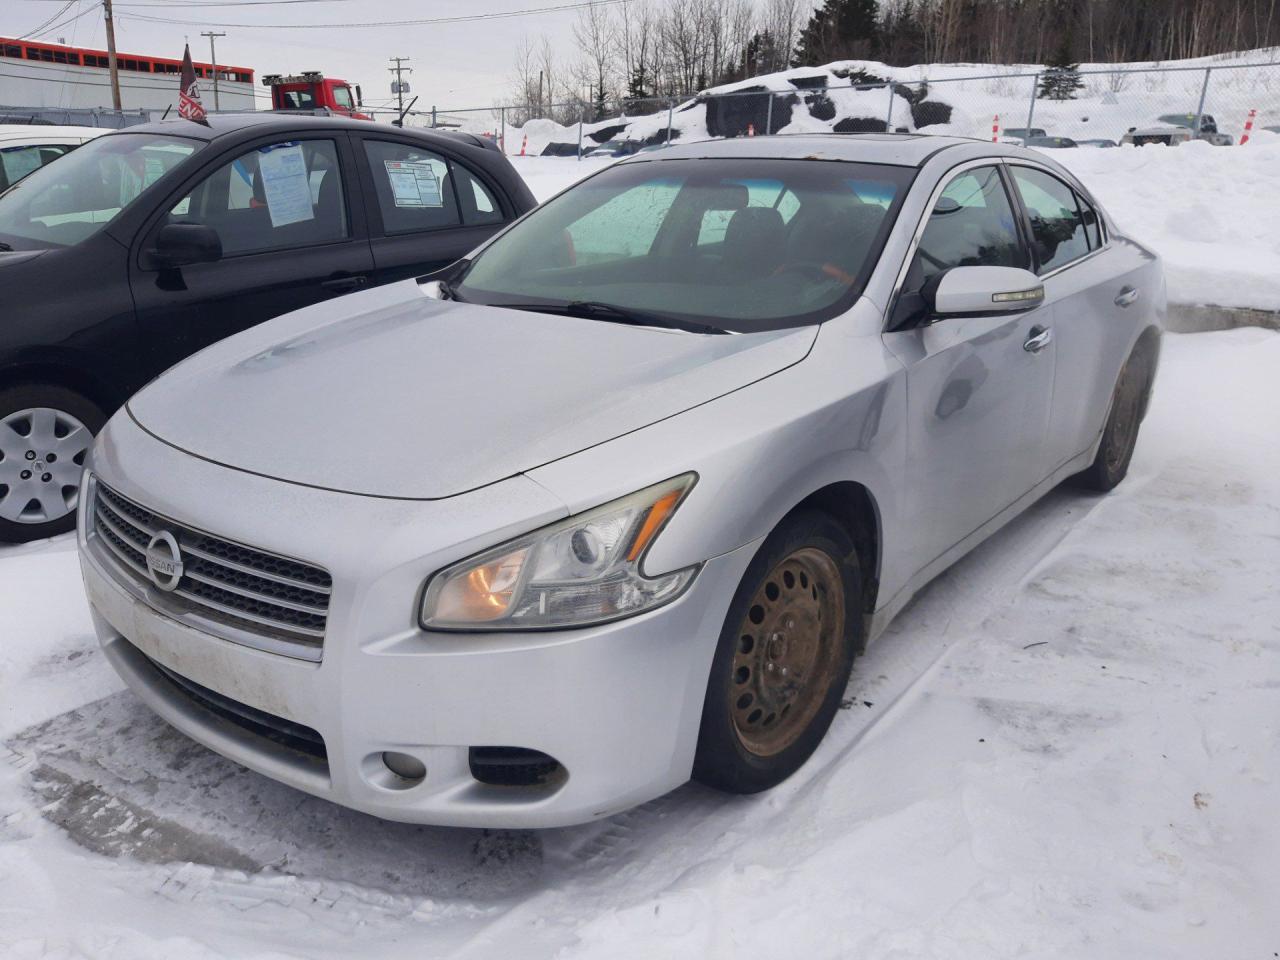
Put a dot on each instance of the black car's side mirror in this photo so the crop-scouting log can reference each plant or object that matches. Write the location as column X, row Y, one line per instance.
column 180, row 244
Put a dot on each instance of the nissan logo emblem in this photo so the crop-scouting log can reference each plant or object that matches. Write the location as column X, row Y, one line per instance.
column 164, row 561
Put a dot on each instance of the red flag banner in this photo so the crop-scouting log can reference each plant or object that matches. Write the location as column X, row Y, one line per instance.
column 189, row 105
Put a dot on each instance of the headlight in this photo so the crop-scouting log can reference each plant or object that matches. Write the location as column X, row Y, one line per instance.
column 583, row 570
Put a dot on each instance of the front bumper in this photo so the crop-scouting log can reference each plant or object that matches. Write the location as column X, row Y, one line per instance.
column 618, row 705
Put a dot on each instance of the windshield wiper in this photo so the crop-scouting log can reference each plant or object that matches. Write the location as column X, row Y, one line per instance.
column 609, row 313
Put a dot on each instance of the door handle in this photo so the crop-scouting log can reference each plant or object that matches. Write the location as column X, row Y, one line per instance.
column 345, row 284
column 1127, row 296
column 1039, row 338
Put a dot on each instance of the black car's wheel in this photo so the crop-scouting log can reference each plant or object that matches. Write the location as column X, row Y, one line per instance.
column 1120, row 433
column 45, row 434
column 784, row 657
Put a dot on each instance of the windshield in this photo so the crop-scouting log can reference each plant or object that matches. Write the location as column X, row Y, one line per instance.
column 66, row 202
column 741, row 244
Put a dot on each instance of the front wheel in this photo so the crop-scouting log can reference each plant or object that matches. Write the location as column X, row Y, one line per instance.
column 45, row 435
column 784, row 657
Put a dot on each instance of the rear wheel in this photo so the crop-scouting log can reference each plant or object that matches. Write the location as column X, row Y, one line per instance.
column 1120, row 433
column 784, row 657
column 45, row 435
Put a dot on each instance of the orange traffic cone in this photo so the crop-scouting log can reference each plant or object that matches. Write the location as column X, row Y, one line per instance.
column 524, row 144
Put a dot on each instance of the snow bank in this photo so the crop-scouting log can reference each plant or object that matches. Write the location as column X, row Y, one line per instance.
column 1212, row 213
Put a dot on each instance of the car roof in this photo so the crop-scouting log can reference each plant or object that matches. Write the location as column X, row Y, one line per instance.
column 895, row 149
column 246, row 125
column 25, row 131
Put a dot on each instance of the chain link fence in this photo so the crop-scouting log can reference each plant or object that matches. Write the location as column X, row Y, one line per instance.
column 75, row 117
column 1087, row 108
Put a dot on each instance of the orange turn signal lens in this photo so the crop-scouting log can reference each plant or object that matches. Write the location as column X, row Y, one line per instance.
column 657, row 516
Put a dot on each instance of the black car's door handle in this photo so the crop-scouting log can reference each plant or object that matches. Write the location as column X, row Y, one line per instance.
column 1127, row 297
column 1038, row 339
column 345, row 284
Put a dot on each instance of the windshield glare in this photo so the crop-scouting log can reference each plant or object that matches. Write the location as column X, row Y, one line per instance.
column 742, row 245
column 73, row 198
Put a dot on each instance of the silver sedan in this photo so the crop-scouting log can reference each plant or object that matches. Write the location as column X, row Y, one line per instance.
column 618, row 500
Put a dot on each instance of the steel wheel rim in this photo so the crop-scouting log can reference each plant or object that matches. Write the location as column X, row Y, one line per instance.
column 788, row 651
column 42, row 452
column 1125, row 425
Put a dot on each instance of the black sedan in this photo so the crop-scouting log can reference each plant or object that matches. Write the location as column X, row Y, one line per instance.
column 146, row 245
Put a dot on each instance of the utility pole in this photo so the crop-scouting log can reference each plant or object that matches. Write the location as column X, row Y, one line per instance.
column 213, row 57
column 111, row 54
column 398, row 88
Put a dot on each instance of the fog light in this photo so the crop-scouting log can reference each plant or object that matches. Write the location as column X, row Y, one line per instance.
column 405, row 766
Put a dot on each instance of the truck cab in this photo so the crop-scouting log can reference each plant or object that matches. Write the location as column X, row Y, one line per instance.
column 313, row 92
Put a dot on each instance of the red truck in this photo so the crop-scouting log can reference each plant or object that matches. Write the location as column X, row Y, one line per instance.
column 312, row 91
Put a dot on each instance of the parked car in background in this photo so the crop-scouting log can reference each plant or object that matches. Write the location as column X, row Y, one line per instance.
column 1206, row 130
column 617, row 500
column 1024, row 133
column 1097, row 142
column 1050, row 143
column 615, row 148
column 145, row 245
column 25, row 148
column 1166, row 134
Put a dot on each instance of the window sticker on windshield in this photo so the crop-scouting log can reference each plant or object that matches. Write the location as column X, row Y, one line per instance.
column 413, row 184
column 285, row 184
column 19, row 161
column 153, row 170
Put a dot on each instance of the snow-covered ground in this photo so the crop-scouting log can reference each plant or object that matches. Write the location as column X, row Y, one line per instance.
column 1067, row 746
column 1213, row 213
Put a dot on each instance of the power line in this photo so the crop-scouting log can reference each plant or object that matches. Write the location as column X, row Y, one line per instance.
column 45, row 26
column 376, row 23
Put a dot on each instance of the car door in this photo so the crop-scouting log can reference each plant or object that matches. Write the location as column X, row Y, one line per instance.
column 978, row 387
column 1095, row 289
column 430, row 210
column 290, row 218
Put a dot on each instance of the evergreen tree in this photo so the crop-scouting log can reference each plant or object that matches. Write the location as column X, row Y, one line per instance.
column 839, row 30
column 1061, row 78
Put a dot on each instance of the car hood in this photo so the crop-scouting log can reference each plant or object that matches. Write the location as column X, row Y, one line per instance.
column 389, row 393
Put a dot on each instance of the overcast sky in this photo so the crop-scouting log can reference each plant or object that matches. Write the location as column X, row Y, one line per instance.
column 455, row 65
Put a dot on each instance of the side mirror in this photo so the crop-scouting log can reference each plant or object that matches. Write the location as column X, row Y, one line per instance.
column 970, row 291
column 359, row 96
column 180, row 244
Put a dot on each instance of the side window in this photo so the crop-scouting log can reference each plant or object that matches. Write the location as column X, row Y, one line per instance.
column 413, row 187
column 1092, row 222
column 1057, row 225
column 272, row 198
column 972, row 224
column 478, row 204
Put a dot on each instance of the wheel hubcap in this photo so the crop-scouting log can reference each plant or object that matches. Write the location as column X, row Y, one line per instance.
column 41, row 454
column 788, row 651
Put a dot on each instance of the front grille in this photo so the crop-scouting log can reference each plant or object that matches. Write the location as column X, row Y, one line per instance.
column 513, row 766
column 285, row 733
column 257, row 594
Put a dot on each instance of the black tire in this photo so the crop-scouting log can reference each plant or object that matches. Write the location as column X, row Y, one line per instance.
column 34, row 396
column 736, row 754
column 1120, row 433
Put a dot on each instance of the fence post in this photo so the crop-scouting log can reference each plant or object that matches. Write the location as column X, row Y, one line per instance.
column 1204, row 90
column 580, row 112
column 671, row 107
column 1031, row 108
column 888, row 116
column 433, row 116
column 768, row 116
column 502, row 132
